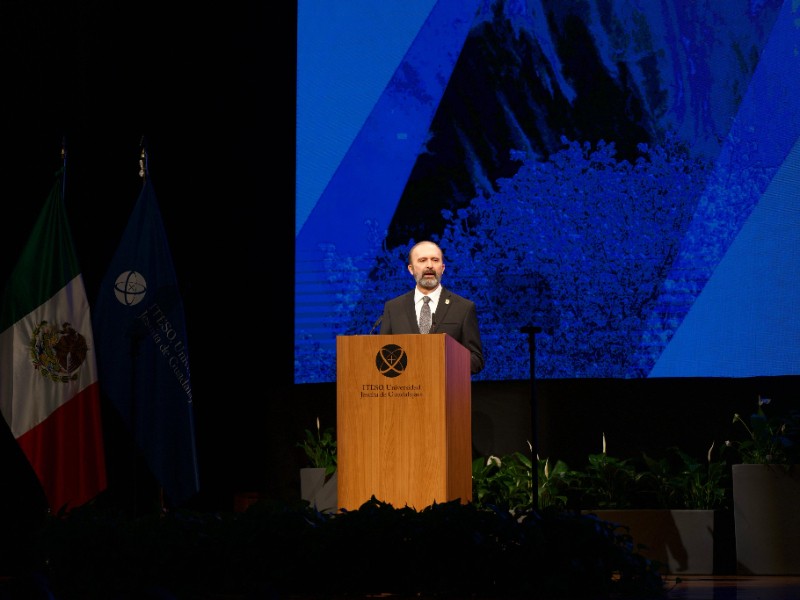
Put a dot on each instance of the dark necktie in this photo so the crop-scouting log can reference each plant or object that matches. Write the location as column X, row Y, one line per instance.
column 425, row 319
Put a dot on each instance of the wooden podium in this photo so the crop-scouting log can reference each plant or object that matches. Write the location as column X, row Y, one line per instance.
column 403, row 420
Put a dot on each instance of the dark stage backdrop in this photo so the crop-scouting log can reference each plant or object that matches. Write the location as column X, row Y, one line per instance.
column 624, row 175
column 211, row 91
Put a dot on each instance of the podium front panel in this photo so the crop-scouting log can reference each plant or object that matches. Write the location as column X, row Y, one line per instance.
column 403, row 420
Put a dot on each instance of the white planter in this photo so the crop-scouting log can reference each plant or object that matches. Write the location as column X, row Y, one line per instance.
column 682, row 541
column 766, row 511
column 319, row 493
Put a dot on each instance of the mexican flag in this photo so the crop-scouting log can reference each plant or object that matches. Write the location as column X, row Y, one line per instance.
column 49, row 394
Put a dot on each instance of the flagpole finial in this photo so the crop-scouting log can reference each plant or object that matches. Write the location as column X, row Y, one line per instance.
column 142, row 161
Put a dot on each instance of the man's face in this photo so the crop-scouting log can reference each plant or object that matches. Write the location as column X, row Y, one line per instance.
column 426, row 266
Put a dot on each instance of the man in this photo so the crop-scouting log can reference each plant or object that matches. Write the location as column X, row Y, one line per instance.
column 451, row 313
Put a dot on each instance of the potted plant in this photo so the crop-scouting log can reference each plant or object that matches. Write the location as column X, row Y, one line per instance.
column 673, row 507
column 606, row 482
column 318, row 481
column 681, row 481
column 506, row 482
column 766, row 492
column 696, row 494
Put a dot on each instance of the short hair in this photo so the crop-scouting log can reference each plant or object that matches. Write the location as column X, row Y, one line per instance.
column 424, row 242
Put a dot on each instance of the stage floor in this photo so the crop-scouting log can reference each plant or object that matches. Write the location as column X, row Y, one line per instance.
column 729, row 587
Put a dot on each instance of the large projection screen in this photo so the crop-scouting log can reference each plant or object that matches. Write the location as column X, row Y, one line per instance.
column 624, row 175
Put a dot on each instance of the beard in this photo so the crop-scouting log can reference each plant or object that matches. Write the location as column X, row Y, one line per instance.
column 428, row 284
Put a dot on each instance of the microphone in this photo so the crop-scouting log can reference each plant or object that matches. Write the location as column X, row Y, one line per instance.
column 375, row 326
column 433, row 323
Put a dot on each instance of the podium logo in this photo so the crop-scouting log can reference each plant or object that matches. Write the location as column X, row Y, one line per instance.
column 391, row 360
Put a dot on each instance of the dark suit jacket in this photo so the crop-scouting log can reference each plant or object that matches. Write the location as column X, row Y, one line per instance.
column 455, row 316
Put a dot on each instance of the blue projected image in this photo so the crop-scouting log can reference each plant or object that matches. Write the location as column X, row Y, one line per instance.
column 623, row 178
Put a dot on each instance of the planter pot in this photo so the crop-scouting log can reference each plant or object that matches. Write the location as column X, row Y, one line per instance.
column 681, row 541
column 319, row 493
column 766, row 510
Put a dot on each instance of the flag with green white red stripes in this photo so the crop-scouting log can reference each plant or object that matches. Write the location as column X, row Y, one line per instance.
column 49, row 393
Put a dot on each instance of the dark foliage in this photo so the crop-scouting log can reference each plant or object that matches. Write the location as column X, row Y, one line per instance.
column 447, row 550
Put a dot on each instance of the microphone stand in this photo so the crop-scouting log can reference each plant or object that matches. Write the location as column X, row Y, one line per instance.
column 532, row 330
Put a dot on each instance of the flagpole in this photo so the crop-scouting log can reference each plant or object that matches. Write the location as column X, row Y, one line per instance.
column 143, row 175
column 134, row 345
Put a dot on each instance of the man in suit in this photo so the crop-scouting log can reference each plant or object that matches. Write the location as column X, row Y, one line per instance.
column 452, row 314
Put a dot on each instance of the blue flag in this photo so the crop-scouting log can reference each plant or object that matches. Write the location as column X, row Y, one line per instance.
column 142, row 351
